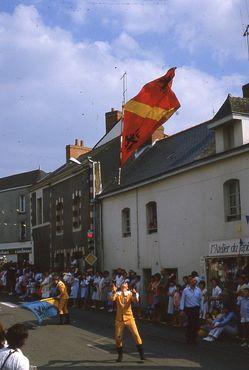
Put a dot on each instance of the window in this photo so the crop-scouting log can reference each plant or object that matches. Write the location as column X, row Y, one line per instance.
column 228, row 133
column 59, row 216
column 22, row 203
column 23, row 228
column 76, row 208
column 151, row 215
column 39, row 211
column 232, row 200
column 126, row 222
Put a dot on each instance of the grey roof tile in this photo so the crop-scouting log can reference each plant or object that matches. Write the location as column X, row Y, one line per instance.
column 21, row 179
column 166, row 155
column 231, row 105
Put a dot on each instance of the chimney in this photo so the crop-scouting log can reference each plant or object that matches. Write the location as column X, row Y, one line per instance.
column 111, row 118
column 245, row 90
column 157, row 135
column 76, row 150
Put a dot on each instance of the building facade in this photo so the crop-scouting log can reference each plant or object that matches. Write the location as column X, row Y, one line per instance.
column 64, row 215
column 15, row 232
column 183, row 205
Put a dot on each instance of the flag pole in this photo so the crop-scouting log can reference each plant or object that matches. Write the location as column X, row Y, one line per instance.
column 124, row 78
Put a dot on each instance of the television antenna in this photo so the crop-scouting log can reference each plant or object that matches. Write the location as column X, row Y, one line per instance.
column 246, row 35
column 124, row 78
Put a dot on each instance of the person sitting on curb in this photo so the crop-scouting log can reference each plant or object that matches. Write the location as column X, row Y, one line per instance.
column 226, row 322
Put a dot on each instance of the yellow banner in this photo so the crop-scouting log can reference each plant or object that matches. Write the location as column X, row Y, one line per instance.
column 146, row 111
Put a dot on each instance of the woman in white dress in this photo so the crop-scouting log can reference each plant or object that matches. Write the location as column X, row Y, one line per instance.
column 171, row 292
column 96, row 290
column 45, row 286
column 75, row 287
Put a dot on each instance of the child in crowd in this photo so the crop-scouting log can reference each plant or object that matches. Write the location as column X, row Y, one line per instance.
column 243, row 304
column 176, row 301
column 216, row 297
column 110, row 304
column 204, row 306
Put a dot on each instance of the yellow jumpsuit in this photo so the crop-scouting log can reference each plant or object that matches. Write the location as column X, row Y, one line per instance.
column 63, row 298
column 124, row 317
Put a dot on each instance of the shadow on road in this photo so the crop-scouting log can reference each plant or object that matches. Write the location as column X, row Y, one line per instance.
column 105, row 365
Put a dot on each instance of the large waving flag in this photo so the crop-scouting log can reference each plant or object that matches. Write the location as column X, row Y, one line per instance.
column 148, row 110
column 42, row 309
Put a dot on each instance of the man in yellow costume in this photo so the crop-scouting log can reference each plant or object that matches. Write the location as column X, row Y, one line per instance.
column 124, row 318
column 63, row 300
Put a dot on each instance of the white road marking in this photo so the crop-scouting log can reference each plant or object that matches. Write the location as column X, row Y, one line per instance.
column 8, row 304
column 104, row 340
column 99, row 349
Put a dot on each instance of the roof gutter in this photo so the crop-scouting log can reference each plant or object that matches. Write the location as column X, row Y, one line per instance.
column 228, row 118
column 16, row 188
column 59, row 178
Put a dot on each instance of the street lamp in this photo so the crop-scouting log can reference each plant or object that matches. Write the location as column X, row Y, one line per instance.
column 74, row 160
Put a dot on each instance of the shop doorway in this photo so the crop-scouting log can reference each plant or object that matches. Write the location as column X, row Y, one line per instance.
column 169, row 273
column 22, row 258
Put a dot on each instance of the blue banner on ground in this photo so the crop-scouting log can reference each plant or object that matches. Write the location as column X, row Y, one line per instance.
column 42, row 309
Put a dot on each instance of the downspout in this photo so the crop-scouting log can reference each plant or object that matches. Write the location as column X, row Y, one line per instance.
column 137, row 222
column 101, row 237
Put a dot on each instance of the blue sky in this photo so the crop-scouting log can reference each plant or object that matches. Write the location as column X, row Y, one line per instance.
column 61, row 63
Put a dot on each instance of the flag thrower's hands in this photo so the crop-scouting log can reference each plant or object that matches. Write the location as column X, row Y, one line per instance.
column 135, row 296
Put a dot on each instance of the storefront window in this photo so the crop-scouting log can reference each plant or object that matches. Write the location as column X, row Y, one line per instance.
column 227, row 270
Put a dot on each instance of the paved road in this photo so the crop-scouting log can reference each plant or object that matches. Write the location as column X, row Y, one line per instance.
column 88, row 344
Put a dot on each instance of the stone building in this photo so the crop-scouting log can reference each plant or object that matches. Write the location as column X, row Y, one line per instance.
column 63, row 204
column 15, row 235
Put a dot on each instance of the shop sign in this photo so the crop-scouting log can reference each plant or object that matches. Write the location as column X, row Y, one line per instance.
column 15, row 251
column 229, row 247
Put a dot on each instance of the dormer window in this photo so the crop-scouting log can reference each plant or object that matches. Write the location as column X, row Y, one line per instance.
column 231, row 124
column 228, row 136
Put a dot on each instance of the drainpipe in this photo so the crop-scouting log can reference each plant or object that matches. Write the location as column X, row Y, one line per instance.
column 137, row 222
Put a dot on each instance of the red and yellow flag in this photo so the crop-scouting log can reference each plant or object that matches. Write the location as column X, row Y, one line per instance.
column 148, row 110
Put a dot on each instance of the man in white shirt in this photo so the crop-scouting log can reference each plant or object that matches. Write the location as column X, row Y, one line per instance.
column 12, row 358
column 191, row 303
